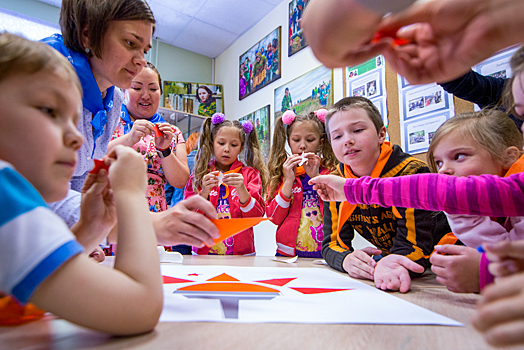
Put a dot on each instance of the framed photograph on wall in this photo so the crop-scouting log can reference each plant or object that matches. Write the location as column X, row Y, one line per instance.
column 194, row 98
column 296, row 40
column 261, row 120
column 260, row 65
column 311, row 91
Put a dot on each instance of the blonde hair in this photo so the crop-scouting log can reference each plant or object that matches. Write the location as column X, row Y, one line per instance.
column 252, row 155
column 517, row 67
column 490, row 128
column 22, row 56
column 278, row 155
column 348, row 103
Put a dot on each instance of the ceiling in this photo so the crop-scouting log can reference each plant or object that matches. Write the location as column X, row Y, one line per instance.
column 207, row 27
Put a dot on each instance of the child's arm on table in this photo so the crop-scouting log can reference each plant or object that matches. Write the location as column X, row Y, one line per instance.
column 360, row 263
column 81, row 290
column 357, row 263
column 413, row 241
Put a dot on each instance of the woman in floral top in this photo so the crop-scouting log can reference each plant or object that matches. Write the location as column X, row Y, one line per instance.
column 161, row 143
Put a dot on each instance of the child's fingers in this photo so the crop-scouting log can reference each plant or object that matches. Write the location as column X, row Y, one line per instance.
column 503, row 288
column 496, row 251
column 364, row 257
column 293, row 160
column 503, row 268
column 96, row 183
column 360, row 270
column 405, row 282
column 372, row 251
column 506, row 334
column 439, row 271
column 452, row 249
column 440, row 260
column 498, row 312
column 411, row 265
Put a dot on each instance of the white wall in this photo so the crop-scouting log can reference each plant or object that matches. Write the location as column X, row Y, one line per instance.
column 226, row 73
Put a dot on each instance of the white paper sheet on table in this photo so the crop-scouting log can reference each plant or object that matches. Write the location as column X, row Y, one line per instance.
column 354, row 302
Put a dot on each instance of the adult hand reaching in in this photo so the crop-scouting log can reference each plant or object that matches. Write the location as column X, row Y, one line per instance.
column 448, row 37
column 182, row 225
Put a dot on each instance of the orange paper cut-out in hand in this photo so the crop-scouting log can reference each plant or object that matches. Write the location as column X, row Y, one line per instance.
column 230, row 227
column 99, row 165
column 157, row 131
column 396, row 40
column 13, row 314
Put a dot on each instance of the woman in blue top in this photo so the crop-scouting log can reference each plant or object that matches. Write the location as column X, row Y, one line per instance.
column 105, row 41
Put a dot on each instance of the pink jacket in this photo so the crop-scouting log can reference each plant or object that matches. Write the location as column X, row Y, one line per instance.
column 255, row 207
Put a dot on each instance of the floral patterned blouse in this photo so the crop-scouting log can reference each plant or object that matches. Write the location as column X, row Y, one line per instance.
column 156, row 179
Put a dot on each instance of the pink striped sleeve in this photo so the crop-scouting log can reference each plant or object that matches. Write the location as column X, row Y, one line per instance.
column 485, row 195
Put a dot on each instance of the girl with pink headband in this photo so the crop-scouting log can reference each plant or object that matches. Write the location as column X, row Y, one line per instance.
column 292, row 203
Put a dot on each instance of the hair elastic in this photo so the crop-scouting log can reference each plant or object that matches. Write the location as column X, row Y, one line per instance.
column 288, row 117
column 247, row 126
column 321, row 114
column 218, row 118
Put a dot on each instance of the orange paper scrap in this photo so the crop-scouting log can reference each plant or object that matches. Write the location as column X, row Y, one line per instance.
column 396, row 40
column 12, row 313
column 230, row 227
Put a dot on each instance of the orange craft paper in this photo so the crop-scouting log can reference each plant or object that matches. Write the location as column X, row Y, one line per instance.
column 99, row 165
column 230, row 227
column 158, row 132
column 13, row 314
column 396, row 40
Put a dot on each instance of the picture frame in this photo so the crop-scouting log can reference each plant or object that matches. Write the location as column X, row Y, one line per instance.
column 296, row 39
column 310, row 91
column 195, row 98
column 261, row 120
column 255, row 75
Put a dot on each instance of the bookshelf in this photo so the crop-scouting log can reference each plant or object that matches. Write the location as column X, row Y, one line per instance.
column 188, row 123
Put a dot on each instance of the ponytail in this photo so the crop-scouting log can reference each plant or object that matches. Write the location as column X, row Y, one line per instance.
column 277, row 157
column 253, row 156
column 205, row 150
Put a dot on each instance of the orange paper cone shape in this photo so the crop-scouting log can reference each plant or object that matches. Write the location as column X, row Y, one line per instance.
column 230, row 227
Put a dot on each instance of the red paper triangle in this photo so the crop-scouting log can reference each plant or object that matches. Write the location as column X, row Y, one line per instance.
column 278, row 281
column 167, row 280
column 317, row 290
